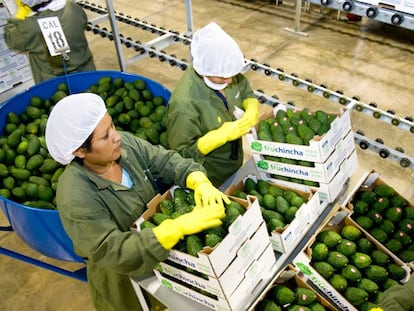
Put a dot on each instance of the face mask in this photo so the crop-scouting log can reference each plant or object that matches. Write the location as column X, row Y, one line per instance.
column 214, row 86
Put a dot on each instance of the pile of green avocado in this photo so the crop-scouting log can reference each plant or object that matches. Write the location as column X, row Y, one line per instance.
column 295, row 126
column 354, row 265
column 29, row 175
column 183, row 202
column 289, row 296
column 279, row 206
column 388, row 217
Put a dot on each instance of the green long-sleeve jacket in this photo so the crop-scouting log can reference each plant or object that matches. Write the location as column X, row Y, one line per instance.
column 26, row 36
column 399, row 297
column 193, row 110
column 97, row 215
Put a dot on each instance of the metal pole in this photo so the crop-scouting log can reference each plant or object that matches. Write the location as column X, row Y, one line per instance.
column 188, row 10
column 117, row 40
column 297, row 20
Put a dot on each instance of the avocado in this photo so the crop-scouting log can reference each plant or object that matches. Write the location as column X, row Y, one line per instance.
column 387, row 226
column 350, row 232
column 380, row 258
column 368, row 196
column 346, row 247
column 337, row 259
column 282, row 295
column 403, row 237
column 329, row 237
column 406, row 255
column 325, row 269
column 212, row 239
column 384, row 191
column 356, row 296
column 269, row 201
column 396, row 272
column 395, row 246
column 338, row 282
column 360, row 207
column 367, row 285
column 365, row 222
column 267, row 305
column 351, row 273
column 375, row 216
column 379, row 235
column 319, row 251
column 317, row 306
column 304, row 296
column 361, row 260
column 395, row 214
column 194, row 244
column 376, row 273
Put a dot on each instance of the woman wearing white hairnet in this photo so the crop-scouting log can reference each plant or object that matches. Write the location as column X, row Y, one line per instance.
column 104, row 189
column 201, row 114
column 22, row 33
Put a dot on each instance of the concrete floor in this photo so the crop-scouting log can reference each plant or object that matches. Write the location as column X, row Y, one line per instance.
column 368, row 59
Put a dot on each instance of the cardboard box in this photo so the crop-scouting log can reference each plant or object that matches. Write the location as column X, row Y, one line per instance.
column 320, row 172
column 367, row 183
column 303, row 262
column 231, row 278
column 327, row 191
column 291, row 278
column 213, row 262
column 285, row 239
column 256, row 273
column 317, row 151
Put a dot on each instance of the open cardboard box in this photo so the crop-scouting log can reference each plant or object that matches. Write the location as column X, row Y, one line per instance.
column 213, row 262
column 319, row 172
column 291, row 278
column 319, row 148
column 256, row 273
column 303, row 262
column 367, row 183
column 285, row 239
column 231, row 278
column 327, row 191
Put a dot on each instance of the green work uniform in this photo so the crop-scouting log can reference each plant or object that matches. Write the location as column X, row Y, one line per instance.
column 195, row 109
column 24, row 35
column 399, row 297
column 97, row 215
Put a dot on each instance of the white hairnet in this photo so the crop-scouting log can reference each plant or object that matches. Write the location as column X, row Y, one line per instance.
column 215, row 53
column 54, row 5
column 71, row 122
column 32, row 3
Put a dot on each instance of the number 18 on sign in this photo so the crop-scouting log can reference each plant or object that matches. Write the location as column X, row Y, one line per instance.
column 54, row 36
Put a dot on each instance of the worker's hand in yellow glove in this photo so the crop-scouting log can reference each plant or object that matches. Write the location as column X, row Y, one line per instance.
column 22, row 10
column 205, row 194
column 170, row 231
column 229, row 131
column 251, row 110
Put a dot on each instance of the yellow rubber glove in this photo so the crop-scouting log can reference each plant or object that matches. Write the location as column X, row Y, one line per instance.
column 376, row 309
column 22, row 10
column 170, row 231
column 251, row 110
column 229, row 131
column 205, row 194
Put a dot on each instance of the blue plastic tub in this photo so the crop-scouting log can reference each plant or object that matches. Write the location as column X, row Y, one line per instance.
column 42, row 229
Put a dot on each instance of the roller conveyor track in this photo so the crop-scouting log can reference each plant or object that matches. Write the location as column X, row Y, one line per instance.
column 375, row 12
column 153, row 49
